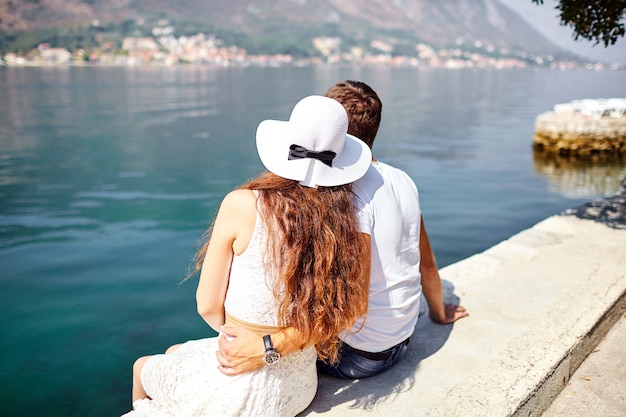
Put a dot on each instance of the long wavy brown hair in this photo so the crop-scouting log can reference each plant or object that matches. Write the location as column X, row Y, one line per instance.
column 319, row 255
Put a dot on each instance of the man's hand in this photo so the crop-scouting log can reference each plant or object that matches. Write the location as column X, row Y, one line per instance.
column 453, row 312
column 240, row 350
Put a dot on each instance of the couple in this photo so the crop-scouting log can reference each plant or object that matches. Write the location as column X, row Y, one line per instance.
column 299, row 271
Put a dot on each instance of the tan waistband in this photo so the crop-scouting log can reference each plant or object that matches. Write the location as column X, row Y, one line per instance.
column 257, row 328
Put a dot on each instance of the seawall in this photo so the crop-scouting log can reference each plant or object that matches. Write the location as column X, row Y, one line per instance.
column 539, row 303
column 583, row 128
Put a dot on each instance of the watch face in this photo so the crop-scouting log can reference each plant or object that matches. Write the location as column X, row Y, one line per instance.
column 271, row 357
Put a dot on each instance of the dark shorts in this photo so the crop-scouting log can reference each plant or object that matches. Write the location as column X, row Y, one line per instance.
column 354, row 363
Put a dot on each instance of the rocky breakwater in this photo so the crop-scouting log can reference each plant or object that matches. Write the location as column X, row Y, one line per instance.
column 609, row 210
column 589, row 128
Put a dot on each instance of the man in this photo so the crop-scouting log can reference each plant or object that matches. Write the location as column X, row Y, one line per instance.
column 403, row 265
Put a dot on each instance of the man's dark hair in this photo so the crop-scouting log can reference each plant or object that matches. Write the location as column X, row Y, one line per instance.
column 363, row 106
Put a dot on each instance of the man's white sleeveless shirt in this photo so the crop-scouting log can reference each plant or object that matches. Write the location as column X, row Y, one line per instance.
column 389, row 211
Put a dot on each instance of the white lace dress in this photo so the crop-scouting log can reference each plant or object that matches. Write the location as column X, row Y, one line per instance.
column 187, row 383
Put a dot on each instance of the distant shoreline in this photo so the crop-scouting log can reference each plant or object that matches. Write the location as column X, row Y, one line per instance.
column 31, row 64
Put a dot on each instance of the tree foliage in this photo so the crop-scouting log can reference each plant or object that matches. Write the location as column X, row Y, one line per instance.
column 69, row 37
column 596, row 19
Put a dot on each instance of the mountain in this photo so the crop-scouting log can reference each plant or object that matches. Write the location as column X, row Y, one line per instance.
column 401, row 23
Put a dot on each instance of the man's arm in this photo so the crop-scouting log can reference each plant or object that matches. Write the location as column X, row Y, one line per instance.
column 431, row 284
column 242, row 350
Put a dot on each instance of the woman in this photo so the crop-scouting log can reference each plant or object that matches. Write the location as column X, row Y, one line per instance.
column 285, row 251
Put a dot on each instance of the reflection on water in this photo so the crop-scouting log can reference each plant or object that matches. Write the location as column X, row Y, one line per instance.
column 581, row 178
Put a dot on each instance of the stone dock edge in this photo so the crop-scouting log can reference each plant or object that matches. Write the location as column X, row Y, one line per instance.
column 540, row 399
column 539, row 303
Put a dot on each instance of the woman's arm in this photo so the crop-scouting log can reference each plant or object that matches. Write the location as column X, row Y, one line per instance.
column 231, row 233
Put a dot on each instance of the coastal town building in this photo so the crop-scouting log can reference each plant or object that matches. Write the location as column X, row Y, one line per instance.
column 163, row 48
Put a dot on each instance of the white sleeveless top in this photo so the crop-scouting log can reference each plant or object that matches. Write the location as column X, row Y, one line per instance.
column 249, row 296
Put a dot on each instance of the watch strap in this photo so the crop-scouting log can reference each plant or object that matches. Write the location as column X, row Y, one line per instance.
column 271, row 356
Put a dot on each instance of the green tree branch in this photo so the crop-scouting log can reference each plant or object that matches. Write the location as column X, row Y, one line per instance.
column 597, row 19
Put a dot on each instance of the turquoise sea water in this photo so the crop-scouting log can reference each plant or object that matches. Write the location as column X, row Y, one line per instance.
column 108, row 177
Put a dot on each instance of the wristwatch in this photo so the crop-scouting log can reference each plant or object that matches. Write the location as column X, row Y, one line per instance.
column 271, row 355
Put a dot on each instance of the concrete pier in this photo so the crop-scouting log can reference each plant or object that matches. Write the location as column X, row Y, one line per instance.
column 539, row 304
column 598, row 387
column 585, row 128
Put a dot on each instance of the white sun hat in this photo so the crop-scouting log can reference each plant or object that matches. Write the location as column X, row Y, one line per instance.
column 313, row 146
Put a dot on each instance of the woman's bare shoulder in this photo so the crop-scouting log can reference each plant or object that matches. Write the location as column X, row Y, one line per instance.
column 239, row 211
column 239, row 197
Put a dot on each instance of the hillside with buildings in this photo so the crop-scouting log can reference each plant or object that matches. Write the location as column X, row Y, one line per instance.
column 417, row 32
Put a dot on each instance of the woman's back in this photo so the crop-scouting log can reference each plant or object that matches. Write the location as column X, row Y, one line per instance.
column 250, row 296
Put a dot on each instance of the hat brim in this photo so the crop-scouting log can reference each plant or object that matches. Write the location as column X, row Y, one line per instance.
column 273, row 141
